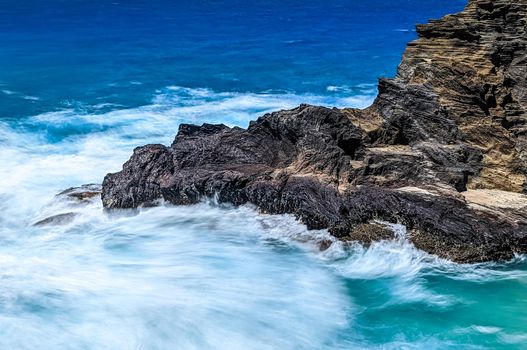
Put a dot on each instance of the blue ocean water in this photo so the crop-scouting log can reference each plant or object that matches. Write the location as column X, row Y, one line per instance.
column 54, row 54
column 84, row 82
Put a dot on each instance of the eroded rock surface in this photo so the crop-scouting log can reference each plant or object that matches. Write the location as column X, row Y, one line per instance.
column 449, row 128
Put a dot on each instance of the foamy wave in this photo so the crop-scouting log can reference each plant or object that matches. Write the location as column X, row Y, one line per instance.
column 8, row 92
column 197, row 276
column 17, row 94
column 31, row 98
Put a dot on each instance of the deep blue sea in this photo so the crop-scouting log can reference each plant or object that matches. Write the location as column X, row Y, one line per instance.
column 84, row 82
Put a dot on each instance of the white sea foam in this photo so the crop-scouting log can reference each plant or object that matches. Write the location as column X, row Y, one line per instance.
column 31, row 98
column 360, row 96
column 8, row 92
column 147, row 281
column 516, row 339
column 18, row 94
column 333, row 88
column 486, row 329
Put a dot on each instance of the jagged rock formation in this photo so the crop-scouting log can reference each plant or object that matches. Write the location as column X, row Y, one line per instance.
column 443, row 149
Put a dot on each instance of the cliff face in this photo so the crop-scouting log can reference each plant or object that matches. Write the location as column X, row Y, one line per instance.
column 443, row 149
column 469, row 72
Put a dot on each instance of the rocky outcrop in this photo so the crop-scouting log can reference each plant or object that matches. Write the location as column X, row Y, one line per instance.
column 443, row 149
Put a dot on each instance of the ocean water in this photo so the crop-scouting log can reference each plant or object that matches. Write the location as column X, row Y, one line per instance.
column 84, row 82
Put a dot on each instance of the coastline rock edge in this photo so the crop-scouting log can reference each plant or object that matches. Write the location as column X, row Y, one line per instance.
column 442, row 150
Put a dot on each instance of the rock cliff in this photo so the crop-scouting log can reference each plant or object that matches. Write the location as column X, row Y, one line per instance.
column 443, row 149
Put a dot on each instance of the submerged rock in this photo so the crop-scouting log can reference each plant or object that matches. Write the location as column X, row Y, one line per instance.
column 452, row 122
column 59, row 219
column 84, row 193
column 68, row 199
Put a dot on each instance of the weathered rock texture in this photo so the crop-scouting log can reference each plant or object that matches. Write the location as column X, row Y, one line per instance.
column 443, row 149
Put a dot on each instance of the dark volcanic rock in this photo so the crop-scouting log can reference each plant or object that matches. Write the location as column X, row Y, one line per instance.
column 372, row 232
column 449, row 128
column 313, row 143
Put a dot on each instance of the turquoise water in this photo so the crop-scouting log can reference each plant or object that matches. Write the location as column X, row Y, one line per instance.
column 83, row 83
